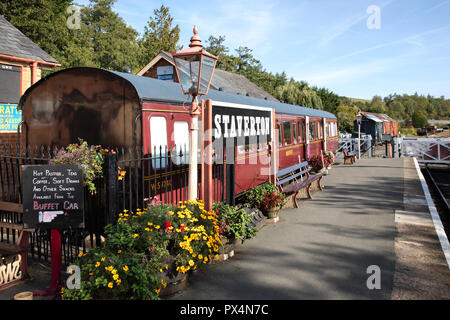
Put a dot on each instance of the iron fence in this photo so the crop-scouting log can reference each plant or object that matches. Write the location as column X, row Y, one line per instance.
column 132, row 177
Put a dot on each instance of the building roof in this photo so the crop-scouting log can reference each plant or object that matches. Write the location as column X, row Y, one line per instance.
column 377, row 117
column 222, row 80
column 15, row 44
column 150, row 89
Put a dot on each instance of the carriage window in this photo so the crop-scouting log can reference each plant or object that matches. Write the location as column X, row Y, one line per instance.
column 181, row 134
column 301, row 130
column 158, row 138
column 295, row 132
column 280, row 138
column 311, row 130
column 287, row 132
column 319, row 130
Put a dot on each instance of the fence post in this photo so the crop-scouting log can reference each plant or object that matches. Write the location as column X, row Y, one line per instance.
column 111, row 187
column 369, row 146
column 395, row 139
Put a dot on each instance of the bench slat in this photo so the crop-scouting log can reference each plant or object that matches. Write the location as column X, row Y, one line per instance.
column 291, row 177
column 11, row 206
column 295, row 167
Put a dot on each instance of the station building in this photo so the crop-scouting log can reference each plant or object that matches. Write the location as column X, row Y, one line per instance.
column 21, row 65
column 162, row 67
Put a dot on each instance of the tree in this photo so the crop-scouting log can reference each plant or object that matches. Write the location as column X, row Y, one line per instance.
column 43, row 21
column 104, row 40
column 330, row 100
column 298, row 93
column 377, row 105
column 419, row 119
column 159, row 34
column 346, row 116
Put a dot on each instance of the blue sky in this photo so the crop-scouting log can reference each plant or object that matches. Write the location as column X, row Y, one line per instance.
column 330, row 44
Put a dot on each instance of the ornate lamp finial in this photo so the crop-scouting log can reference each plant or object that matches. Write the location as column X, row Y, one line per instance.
column 195, row 39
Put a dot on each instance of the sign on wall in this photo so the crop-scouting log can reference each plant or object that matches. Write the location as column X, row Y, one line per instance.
column 243, row 124
column 10, row 117
column 165, row 73
column 52, row 196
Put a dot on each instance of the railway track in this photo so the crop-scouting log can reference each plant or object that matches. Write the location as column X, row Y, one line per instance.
column 438, row 181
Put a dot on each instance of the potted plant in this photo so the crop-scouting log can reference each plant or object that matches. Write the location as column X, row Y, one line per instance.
column 328, row 159
column 234, row 224
column 272, row 203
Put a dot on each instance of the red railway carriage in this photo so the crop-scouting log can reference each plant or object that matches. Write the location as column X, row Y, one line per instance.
column 122, row 110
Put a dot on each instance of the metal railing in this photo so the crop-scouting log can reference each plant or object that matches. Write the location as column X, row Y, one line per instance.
column 427, row 150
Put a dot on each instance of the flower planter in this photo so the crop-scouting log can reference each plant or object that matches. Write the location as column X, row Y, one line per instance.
column 174, row 285
column 271, row 213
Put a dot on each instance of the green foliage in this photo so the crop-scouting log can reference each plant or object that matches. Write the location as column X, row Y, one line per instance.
column 257, row 195
column 43, row 21
column 346, row 116
column 159, row 35
column 298, row 93
column 138, row 249
column 122, row 269
column 234, row 223
column 90, row 158
column 419, row 119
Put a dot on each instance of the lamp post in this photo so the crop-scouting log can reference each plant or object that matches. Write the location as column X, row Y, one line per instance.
column 358, row 120
column 194, row 67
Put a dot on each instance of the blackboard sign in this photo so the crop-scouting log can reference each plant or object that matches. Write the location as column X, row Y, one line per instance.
column 52, row 196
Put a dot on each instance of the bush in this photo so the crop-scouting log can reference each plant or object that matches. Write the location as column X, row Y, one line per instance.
column 234, row 224
column 259, row 194
column 140, row 247
column 90, row 158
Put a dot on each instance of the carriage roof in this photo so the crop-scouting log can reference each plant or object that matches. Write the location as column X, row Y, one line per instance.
column 149, row 89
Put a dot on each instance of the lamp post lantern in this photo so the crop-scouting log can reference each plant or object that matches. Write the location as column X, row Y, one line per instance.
column 195, row 68
column 358, row 120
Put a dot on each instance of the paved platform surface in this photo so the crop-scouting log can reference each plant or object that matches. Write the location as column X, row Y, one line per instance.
column 370, row 213
column 421, row 270
column 322, row 249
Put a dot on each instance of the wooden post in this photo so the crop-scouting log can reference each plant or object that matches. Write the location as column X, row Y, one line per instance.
column 207, row 153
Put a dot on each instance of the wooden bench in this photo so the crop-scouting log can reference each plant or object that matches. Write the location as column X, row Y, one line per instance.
column 13, row 256
column 349, row 156
column 294, row 178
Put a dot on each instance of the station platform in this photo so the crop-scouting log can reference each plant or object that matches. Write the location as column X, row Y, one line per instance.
column 371, row 213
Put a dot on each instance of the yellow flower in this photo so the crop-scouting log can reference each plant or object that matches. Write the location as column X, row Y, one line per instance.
column 91, row 274
column 110, row 285
column 157, row 227
column 200, row 256
column 97, row 264
column 167, row 266
column 110, row 268
column 191, row 263
column 102, row 259
column 150, row 223
column 135, row 235
column 116, row 276
column 147, row 229
column 114, row 272
column 157, row 291
column 125, row 268
column 119, row 251
column 118, row 281
column 80, row 254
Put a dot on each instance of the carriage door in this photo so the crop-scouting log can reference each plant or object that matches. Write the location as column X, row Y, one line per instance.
column 307, row 137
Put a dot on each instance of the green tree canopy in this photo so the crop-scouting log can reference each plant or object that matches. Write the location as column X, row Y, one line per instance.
column 419, row 119
column 159, row 34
